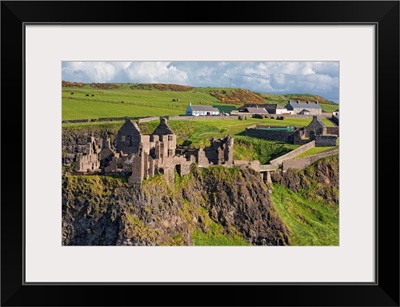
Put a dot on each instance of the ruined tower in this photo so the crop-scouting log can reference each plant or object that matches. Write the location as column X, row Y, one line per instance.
column 89, row 161
column 128, row 138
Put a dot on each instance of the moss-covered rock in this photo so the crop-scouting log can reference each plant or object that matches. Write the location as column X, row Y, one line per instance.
column 318, row 182
column 214, row 206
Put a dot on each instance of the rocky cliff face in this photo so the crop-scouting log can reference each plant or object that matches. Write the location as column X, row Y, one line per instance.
column 318, row 182
column 234, row 203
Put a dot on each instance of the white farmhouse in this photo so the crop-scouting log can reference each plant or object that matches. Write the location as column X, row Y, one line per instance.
column 304, row 108
column 275, row 109
column 201, row 110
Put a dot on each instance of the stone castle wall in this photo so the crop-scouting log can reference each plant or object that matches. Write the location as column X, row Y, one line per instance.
column 293, row 153
column 272, row 135
column 302, row 163
column 325, row 140
column 255, row 165
column 332, row 130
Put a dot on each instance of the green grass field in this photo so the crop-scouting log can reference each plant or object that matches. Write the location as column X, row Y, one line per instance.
column 329, row 108
column 125, row 101
column 89, row 102
column 248, row 148
column 310, row 223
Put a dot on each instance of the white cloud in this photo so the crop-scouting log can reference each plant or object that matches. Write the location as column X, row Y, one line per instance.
column 155, row 72
column 89, row 71
column 321, row 78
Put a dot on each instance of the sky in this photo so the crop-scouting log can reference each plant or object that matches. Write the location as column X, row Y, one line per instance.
column 319, row 78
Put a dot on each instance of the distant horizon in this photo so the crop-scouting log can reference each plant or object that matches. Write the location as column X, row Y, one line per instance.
column 315, row 78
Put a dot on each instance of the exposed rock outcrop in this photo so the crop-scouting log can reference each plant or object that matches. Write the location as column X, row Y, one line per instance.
column 100, row 210
column 318, row 182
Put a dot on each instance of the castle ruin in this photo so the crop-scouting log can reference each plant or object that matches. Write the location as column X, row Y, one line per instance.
column 141, row 156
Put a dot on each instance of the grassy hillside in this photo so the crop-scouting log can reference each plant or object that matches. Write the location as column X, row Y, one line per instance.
column 127, row 101
column 310, row 223
column 139, row 100
column 247, row 148
column 308, row 202
column 211, row 233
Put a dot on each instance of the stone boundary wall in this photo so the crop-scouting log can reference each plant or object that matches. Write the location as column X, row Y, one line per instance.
column 296, row 115
column 110, row 119
column 104, row 119
column 302, row 163
column 274, row 116
column 301, row 115
column 272, row 135
column 325, row 140
column 332, row 130
column 173, row 117
column 148, row 119
column 293, row 153
column 75, row 121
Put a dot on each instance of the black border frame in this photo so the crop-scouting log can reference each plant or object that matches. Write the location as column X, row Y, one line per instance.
column 14, row 15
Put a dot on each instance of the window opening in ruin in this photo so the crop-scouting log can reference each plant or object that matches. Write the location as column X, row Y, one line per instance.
column 153, row 153
column 169, row 152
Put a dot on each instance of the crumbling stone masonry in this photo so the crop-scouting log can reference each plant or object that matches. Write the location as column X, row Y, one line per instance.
column 142, row 156
column 325, row 140
column 89, row 161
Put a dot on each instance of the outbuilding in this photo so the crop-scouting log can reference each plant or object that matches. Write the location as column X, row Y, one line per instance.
column 298, row 106
column 201, row 110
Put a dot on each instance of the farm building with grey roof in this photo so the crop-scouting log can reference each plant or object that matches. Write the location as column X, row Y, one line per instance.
column 257, row 110
column 297, row 107
column 270, row 107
